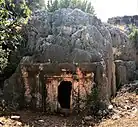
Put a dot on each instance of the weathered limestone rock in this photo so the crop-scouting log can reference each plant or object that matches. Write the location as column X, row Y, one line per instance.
column 136, row 60
column 123, row 49
column 72, row 30
column 13, row 91
column 130, row 67
column 102, row 82
column 72, row 36
column 124, row 20
column 109, row 71
column 113, row 83
column 125, row 71
column 121, row 73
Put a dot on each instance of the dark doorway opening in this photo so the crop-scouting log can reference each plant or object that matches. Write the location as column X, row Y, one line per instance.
column 64, row 94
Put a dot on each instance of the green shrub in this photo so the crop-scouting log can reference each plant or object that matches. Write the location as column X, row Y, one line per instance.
column 134, row 35
column 12, row 17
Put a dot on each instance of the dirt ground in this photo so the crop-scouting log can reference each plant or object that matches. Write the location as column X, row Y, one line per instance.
column 123, row 112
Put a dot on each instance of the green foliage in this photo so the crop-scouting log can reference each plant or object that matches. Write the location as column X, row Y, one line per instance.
column 93, row 100
column 52, row 5
column 3, row 58
column 134, row 34
column 84, row 5
column 12, row 17
column 93, row 97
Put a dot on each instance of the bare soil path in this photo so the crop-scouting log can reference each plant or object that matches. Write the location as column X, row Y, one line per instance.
column 123, row 114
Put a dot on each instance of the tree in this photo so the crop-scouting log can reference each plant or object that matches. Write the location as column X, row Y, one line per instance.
column 89, row 8
column 64, row 3
column 12, row 17
column 52, row 5
column 35, row 4
column 84, row 5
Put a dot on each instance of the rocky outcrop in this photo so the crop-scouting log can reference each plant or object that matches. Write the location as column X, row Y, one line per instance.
column 123, row 23
column 72, row 36
column 66, row 36
column 124, row 20
column 123, row 48
column 71, row 33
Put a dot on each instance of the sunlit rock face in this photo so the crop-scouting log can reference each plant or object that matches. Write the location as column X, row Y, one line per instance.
column 72, row 36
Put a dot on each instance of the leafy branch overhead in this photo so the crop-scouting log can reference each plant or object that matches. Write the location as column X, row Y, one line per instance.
column 84, row 5
column 15, row 13
column 12, row 17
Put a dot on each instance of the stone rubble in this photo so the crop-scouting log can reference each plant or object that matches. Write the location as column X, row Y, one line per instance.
column 125, row 104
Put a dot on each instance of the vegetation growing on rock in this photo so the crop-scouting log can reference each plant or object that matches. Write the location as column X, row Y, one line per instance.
column 14, row 14
column 52, row 5
column 134, row 34
column 84, row 5
column 12, row 17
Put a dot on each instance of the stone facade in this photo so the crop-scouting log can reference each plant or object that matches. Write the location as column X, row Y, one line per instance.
column 41, row 86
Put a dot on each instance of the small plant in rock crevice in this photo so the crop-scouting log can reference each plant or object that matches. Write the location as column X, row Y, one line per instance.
column 93, row 101
column 133, row 36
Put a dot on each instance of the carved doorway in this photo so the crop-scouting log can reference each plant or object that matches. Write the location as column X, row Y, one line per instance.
column 64, row 94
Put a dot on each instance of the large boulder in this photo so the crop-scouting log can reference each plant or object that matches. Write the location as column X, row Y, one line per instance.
column 123, row 48
column 66, row 32
column 13, row 91
column 68, row 35
column 69, row 30
column 125, row 71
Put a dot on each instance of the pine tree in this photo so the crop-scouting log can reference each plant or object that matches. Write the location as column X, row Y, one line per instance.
column 84, row 5
column 89, row 8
